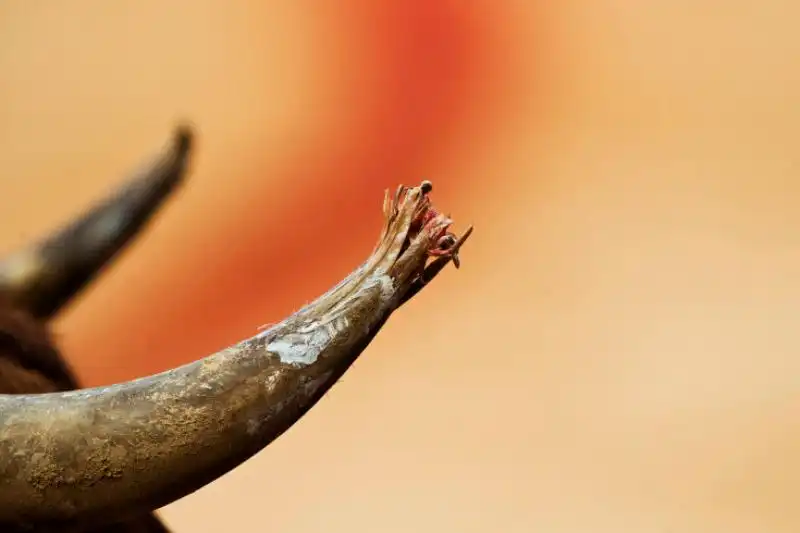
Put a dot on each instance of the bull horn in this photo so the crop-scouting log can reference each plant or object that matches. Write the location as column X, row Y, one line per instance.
column 89, row 457
column 43, row 278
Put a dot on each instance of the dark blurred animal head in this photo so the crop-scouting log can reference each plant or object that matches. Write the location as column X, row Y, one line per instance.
column 36, row 283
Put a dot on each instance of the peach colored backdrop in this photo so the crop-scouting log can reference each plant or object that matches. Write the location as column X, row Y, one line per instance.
column 619, row 351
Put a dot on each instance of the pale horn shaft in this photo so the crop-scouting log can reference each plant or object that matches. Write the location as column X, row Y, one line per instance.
column 80, row 457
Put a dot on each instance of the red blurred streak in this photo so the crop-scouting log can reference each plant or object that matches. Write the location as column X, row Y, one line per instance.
column 420, row 63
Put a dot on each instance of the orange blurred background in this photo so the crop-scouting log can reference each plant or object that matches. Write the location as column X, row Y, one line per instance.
column 619, row 351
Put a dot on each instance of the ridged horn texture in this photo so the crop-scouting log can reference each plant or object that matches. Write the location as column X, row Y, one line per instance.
column 43, row 278
column 30, row 362
column 84, row 458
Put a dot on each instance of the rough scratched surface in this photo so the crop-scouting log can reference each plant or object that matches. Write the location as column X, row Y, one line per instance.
column 124, row 437
column 30, row 363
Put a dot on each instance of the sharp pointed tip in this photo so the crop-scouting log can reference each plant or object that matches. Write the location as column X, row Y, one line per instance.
column 183, row 138
column 58, row 268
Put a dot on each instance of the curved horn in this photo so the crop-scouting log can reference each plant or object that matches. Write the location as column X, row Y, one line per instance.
column 42, row 279
column 87, row 457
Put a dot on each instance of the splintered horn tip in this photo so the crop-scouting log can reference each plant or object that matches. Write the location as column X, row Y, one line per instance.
column 460, row 242
column 467, row 233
